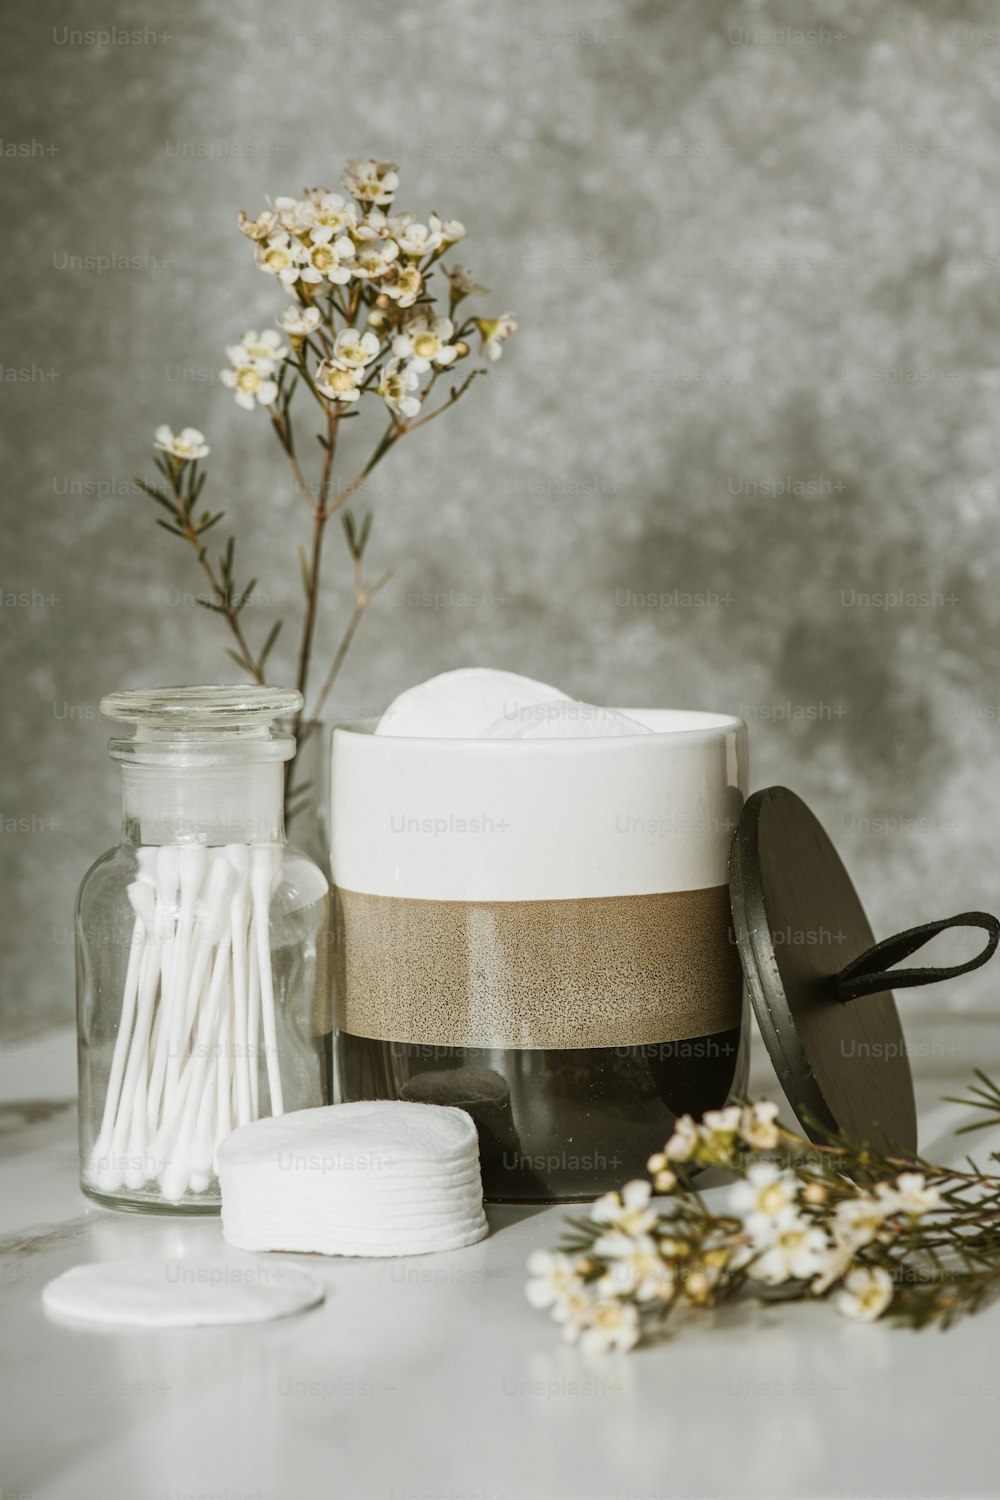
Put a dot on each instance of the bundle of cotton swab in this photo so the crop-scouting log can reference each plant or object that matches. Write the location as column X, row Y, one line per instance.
column 197, row 998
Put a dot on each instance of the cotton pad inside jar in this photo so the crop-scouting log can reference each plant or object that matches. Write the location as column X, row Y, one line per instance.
column 461, row 704
column 563, row 719
column 482, row 703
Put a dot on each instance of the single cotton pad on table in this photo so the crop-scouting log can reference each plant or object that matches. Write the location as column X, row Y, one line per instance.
column 378, row 1177
column 180, row 1293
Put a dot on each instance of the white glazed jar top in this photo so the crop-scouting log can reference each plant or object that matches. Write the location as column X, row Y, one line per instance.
column 526, row 820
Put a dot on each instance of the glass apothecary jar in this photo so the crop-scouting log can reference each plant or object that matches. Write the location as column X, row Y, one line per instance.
column 203, row 992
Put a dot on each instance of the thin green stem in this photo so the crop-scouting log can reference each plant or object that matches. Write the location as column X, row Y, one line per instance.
column 321, row 514
column 364, row 593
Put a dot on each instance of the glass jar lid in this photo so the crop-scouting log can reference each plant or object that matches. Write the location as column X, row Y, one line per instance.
column 205, row 707
column 223, row 721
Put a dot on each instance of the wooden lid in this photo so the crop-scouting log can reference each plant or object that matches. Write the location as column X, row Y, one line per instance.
column 798, row 922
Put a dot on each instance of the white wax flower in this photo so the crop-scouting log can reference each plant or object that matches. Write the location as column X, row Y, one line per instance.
column 186, row 445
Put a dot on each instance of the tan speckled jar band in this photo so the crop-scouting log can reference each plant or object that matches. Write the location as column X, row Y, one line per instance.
column 615, row 971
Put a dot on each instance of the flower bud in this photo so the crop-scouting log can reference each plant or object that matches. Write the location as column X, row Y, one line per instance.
column 675, row 1249
column 383, row 301
column 697, row 1287
column 461, row 348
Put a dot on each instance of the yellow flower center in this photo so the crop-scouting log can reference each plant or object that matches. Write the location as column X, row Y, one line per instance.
column 277, row 259
column 372, row 259
column 426, row 345
column 610, row 1317
column 341, row 380
column 248, row 378
column 772, row 1199
column 698, row 1287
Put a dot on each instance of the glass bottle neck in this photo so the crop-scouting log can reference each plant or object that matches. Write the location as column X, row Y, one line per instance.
column 209, row 804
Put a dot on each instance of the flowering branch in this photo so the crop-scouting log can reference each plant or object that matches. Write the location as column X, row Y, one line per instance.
column 181, row 474
column 363, row 326
column 879, row 1232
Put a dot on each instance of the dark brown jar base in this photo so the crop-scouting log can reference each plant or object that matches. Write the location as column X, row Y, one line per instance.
column 555, row 1125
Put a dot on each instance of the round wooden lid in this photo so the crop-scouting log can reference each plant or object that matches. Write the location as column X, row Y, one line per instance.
column 798, row 922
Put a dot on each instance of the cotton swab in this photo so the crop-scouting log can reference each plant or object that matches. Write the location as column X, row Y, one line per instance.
column 169, row 1126
column 224, row 1068
column 135, row 957
column 191, row 1007
column 198, row 1003
column 192, row 863
column 167, row 885
column 261, row 871
column 253, row 1021
column 137, row 1165
column 195, row 1121
column 214, row 936
column 239, row 857
column 211, row 913
column 202, row 1144
column 144, row 903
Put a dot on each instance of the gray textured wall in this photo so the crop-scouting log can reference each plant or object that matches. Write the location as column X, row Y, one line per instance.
column 741, row 256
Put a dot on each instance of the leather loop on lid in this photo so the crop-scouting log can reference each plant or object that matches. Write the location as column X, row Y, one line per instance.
column 872, row 971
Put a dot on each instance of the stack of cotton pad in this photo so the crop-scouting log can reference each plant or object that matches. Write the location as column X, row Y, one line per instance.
column 378, row 1177
column 480, row 703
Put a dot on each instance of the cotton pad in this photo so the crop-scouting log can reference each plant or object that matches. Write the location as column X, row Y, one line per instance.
column 377, row 1177
column 369, row 1136
column 180, row 1293
column 562, row 719
column 462, row 704
column 391, row 1247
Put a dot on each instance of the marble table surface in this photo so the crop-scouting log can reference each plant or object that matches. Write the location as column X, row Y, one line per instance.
column 432, row 1378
